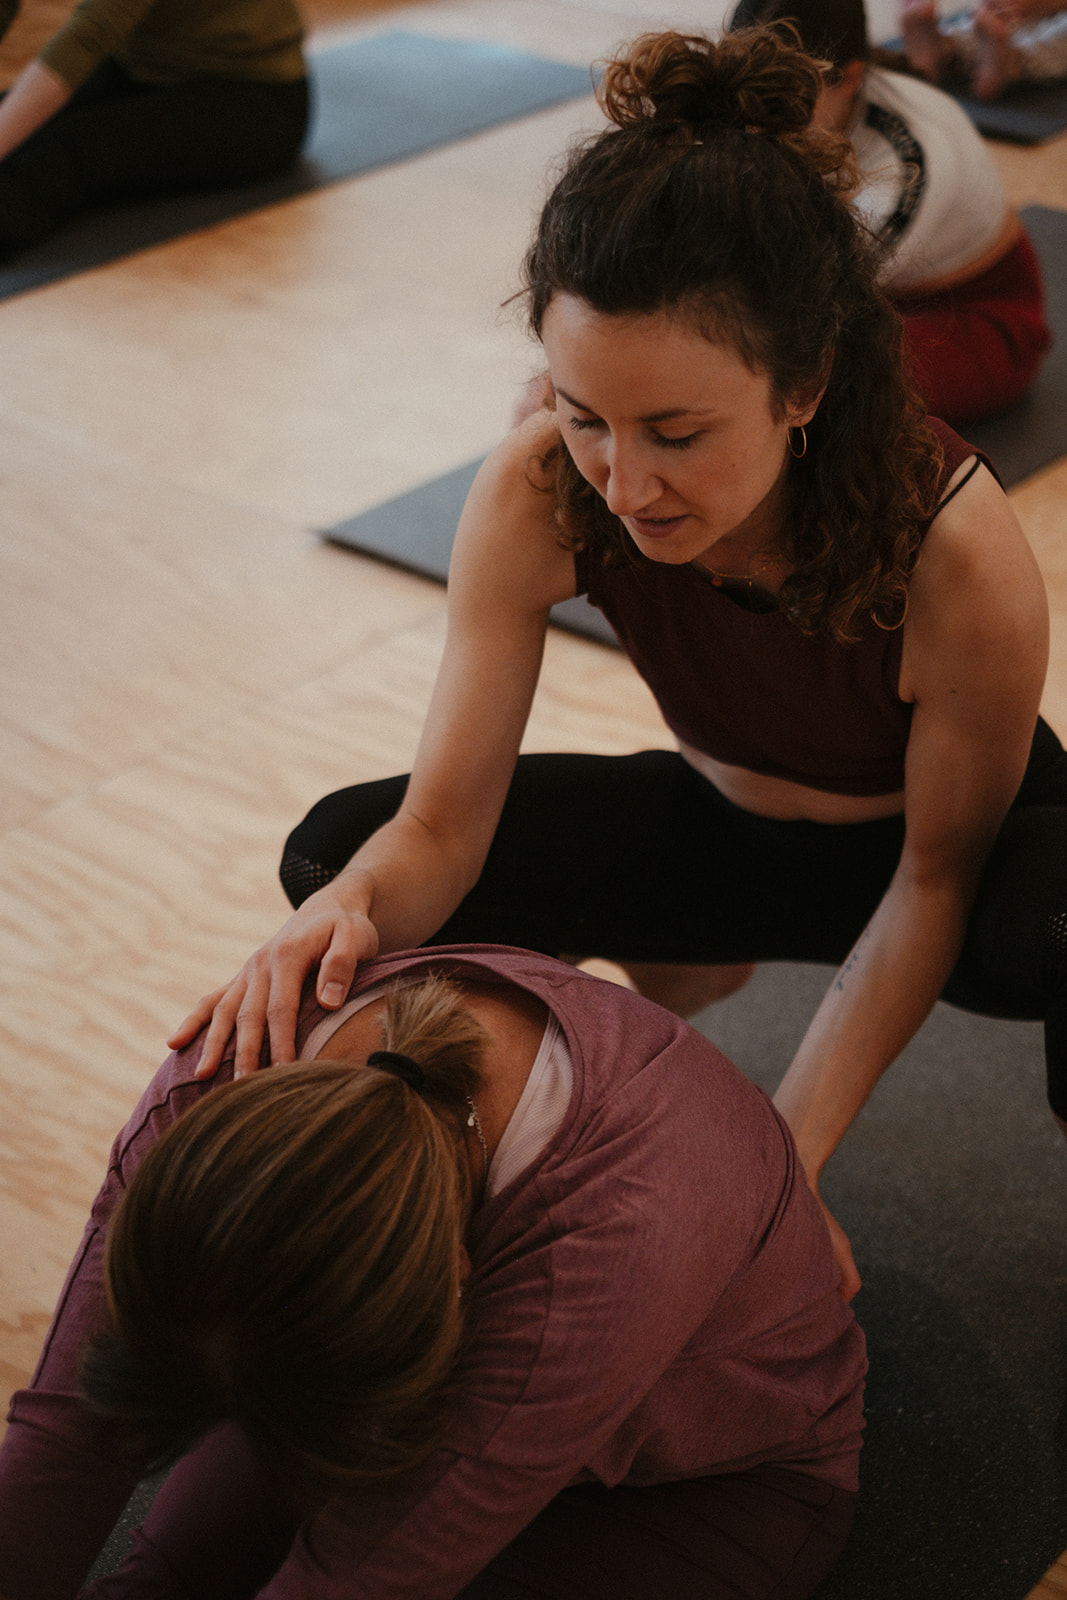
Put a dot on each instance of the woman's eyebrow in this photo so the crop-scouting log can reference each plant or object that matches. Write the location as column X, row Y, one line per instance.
column 579, row 405
column 653, row 416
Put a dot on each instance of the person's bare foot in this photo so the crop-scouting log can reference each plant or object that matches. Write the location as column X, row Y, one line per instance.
column 925, row 46
column 997, row 60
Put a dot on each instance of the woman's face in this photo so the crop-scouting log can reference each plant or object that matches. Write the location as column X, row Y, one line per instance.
column 677, row 433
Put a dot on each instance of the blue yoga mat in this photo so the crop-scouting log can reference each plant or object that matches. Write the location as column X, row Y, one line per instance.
column 374, row 100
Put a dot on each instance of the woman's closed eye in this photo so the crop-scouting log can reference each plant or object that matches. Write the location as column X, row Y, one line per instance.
column 582, row 424
column 682, row 443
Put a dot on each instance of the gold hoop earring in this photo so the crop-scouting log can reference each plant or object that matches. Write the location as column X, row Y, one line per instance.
column 798, row 455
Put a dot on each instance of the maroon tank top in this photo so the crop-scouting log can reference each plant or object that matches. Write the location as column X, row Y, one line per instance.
column 748, row 688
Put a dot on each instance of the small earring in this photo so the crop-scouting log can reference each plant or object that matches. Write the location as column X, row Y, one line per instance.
column 798, row 455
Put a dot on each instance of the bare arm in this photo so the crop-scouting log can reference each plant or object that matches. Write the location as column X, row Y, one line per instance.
column 35, row 96
column 974, row 662
column 507, row 571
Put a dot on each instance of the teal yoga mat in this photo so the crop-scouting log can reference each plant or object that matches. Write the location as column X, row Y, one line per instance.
column 374, row 101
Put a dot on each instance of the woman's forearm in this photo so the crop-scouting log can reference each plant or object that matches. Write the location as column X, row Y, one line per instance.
column 880, row 997
column 407, row 881
column 35, row 96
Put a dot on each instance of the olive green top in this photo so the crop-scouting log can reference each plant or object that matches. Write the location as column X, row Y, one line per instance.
column 167, row 41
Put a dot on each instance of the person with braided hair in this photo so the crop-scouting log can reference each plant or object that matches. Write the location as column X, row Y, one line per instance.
column 511, row 1286
column 826, row 591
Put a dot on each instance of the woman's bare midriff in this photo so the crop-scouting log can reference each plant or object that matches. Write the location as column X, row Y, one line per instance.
column 786, row 801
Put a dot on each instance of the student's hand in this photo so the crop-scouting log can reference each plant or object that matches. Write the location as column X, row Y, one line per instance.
column 851, row 1282
column 264, row 997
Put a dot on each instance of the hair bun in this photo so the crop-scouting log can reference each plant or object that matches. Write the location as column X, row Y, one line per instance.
column 756, row 79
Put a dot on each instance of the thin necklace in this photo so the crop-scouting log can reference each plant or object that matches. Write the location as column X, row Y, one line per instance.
column 474, row 1121
column 756, row 565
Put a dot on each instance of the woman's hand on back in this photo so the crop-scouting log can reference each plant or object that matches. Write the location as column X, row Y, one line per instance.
column 508, row 569
column 264, row 998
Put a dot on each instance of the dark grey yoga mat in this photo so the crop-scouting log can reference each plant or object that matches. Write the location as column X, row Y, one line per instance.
column 952, row 1184
column 1033, row 432
column 416, row 529
column 1026, row 113
column 375, row 101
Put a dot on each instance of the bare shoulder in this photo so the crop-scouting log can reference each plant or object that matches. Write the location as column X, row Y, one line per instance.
column 976, row 602
column 507, row 549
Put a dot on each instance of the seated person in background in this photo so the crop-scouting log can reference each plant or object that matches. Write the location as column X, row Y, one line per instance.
column 1000, row 43
column 958, row 264
column 518, row 1289
column 133, row 99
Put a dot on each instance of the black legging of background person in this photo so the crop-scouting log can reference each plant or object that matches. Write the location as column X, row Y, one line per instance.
column 118, row 139
column 640, row 858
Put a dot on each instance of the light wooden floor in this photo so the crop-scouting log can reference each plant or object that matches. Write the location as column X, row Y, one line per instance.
column 185, row 666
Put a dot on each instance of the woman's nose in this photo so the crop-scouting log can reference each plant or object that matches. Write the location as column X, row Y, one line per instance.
column 631, row 486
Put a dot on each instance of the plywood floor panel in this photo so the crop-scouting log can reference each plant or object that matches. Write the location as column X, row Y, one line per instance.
column 311, row 360
column 120, row 906
column 185, row 667
column 134, row 611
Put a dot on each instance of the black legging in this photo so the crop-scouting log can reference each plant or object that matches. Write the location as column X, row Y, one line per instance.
column 639, row 858
column 117, row 139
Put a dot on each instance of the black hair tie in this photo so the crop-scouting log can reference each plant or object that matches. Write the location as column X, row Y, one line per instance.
column 400, row 1066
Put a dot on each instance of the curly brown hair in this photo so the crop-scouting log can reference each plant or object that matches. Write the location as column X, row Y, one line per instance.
column 714, row 201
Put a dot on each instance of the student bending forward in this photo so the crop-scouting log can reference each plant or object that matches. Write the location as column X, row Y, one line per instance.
column 517, row 1289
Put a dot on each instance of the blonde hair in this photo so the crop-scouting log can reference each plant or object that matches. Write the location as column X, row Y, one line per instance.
column 288, row 1256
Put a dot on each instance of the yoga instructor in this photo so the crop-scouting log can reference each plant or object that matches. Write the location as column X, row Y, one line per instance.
column 828, row 594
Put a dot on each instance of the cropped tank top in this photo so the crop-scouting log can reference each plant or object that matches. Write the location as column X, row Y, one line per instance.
column 747, row 688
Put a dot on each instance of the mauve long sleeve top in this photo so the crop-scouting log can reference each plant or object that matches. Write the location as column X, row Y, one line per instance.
column 654, row 1298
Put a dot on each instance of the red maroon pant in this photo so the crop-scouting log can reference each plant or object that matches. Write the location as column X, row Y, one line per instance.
column 216, row 1531
column 975, row 349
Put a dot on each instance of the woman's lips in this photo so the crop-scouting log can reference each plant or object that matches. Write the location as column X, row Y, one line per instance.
column 654, row 527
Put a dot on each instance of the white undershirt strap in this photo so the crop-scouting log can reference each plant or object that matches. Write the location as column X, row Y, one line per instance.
column 542, row 1104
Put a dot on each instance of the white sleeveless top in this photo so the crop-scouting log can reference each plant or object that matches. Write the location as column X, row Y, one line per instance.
column 932, row 192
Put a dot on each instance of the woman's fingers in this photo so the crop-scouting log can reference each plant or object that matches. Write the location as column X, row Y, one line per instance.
column 353, row 940
column 202, row 1012
column 220, row 1025
column 263, row 1000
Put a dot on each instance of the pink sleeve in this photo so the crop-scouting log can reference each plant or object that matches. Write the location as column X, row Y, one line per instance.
column 61, row 1489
